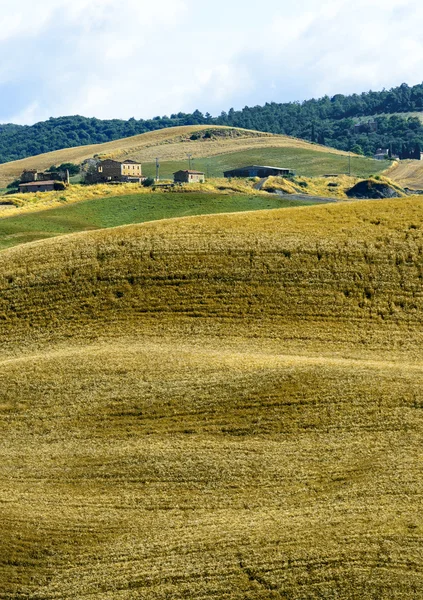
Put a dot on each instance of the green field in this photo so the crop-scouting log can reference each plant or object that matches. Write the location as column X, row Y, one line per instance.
column 307, row 163
column 125, row 210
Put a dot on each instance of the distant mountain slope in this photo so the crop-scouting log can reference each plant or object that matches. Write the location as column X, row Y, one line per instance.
column 326, row 120
column 171, row 144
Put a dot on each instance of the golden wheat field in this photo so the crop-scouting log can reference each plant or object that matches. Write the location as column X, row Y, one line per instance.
column 223, row 407
column 173, row 144
column 408, row 173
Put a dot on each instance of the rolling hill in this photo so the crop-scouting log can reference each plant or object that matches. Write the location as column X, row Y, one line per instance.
column 112, row 211
column 172, row 146
column 327, row 120
column 408, row 173
column 224, row 406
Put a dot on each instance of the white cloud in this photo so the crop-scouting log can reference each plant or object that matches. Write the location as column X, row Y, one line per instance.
column 138, row 58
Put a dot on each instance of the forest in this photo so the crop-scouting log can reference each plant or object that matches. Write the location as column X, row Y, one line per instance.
column 358, row 122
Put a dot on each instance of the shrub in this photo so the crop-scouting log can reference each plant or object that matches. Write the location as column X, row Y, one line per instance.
column 71, row 167
column 148, row 182
column 14, row 184
column 357, row 149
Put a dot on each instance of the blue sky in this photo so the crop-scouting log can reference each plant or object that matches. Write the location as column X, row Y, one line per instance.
column 139, row 58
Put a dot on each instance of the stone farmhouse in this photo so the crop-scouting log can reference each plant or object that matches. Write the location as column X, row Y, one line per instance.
column 259, row 171
column 34, row 175
column 41, row 186
column 189, row 176
column 108, row 171
column 46, row 181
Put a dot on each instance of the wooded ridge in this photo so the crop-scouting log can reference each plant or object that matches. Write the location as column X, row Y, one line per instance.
column 334, row 121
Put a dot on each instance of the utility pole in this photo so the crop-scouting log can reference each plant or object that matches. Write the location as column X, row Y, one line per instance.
column 189, row 160
column 157, row 169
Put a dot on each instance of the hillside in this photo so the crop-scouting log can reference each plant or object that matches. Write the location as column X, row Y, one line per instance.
column 408, row 173
column 112, row 211
column 308, row 161
column 224, row 406
column 226, row 148
column 329, row 121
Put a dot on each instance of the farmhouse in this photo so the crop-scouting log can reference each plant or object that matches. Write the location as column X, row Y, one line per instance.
column 260, row 171
column 113, row 170
column 189, row 177
column 381, row 154
column 41, row 186
column 34, row 175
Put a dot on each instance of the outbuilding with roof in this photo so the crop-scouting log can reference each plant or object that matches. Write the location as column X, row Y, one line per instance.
column 260, row 171
column 189, row 176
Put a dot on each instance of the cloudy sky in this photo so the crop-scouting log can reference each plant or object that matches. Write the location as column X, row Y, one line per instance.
column 142, row 58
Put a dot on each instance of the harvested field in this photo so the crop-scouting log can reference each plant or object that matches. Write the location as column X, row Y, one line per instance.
column 408, row 173
column 224, row 406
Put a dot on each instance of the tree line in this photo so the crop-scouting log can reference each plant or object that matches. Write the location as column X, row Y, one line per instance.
column 363, row 121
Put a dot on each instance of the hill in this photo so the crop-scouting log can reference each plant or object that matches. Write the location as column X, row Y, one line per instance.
column 112, row 211
column 226, row 147
column 224, row 406
column 329, row 121
column 408, row 173
column 308, row 161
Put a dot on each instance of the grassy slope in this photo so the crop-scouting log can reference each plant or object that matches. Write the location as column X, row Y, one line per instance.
column 224, row 406
column 123, row 210
column 171, row 144
column 306, row 161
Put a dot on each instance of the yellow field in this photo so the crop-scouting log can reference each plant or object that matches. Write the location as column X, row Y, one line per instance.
column 216, row 407
column 174, row 144
column 314, row 186
column 408, row 173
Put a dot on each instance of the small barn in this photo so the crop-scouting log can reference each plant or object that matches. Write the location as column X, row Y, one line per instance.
column 189, row 176
column 260, row 171
column 41, row 186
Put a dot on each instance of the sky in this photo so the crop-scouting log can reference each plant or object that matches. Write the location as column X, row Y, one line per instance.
column 139, row 58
